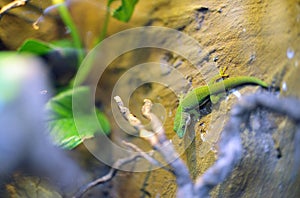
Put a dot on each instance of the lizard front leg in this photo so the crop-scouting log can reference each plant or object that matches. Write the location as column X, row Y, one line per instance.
column 222, row 75
column 184, row 122
column 181, row 121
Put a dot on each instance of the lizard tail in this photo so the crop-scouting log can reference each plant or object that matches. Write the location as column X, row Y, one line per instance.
column 240, row 80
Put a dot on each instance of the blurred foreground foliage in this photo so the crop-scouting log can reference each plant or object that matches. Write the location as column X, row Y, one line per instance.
column 60, row 119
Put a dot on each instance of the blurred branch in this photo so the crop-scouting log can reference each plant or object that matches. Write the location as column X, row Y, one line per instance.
column 230, row 148
column 289, row 107
column 24, row 141
column 229, row 154
column 11, row 5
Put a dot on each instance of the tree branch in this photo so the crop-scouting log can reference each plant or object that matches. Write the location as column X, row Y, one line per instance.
column 12, row 5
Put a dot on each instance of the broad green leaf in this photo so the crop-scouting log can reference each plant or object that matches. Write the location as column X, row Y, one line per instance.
column 61, row 123
column 125, row 11
column 40, row 48
column 36, row 47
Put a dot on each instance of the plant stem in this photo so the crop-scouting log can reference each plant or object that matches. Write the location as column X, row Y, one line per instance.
column 67, row 19
column 84, row 72
column 105, row 25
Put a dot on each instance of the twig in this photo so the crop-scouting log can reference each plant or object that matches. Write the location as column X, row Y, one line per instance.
column 146, row 156
column 133, row 121
column 11, row 5
column 166, row 149
column 159, row 142
column 112, row 172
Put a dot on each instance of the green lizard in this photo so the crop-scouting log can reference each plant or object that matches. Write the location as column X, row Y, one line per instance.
column 200, row 95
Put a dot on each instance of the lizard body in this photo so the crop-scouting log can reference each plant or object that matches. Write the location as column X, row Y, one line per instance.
column 200, row 95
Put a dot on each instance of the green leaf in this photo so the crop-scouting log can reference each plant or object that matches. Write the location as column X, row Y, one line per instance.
column 110, row 1
column 61, row 123
column 36, row 47
column 125, row 11
column 41, row 48
column 64, row 43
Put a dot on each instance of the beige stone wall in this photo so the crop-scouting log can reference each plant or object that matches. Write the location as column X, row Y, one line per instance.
column 250, row 37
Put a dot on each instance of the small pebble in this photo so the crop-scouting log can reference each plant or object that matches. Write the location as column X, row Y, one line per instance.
column 290, row 53
column 284, row 86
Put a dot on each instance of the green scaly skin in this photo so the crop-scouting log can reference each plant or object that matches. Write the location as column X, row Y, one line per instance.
column 200, row 95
